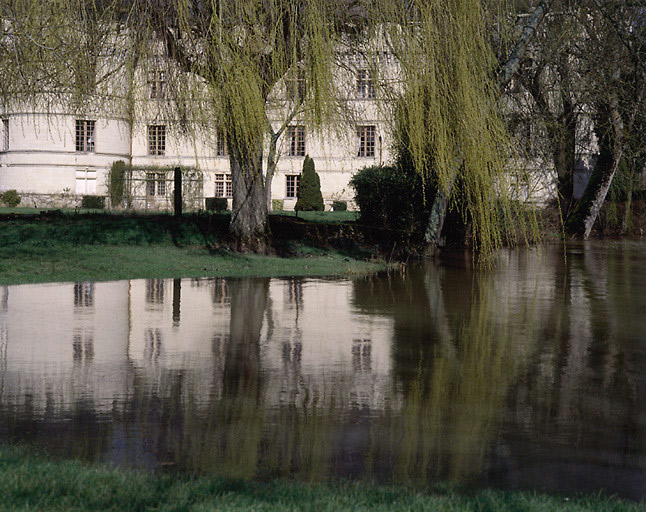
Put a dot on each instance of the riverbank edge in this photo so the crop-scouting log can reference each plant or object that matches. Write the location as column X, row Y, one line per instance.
column 30, row 480
column 61, row 247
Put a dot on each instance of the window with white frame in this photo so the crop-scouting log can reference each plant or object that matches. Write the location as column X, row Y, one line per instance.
column 5, row 135
column 296, row 140
column 85, row 132
column 156, row 85
column 155, row 184
column 223, row 185
column 221, row 143
column 366, row 141
column 157, row 139
column 85, row 182
column 293, row 183
column 365, row 84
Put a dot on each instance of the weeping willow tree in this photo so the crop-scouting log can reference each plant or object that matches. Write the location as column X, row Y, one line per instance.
column 447, row 122
column 243, row 50
column 228, row 60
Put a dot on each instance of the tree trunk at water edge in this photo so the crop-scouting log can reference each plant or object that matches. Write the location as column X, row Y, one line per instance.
column 249, row 219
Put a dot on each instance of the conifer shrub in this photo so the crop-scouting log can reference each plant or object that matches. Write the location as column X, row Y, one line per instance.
column 117, row 185
column 93, row 202
column 310, row 198
column 216, row 204
column 11, row 198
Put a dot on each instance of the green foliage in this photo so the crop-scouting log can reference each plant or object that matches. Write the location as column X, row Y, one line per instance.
column 216, row 204
column 93, row 202
column 117, row 182
column 277, row 204
column 11, row 198
column 339, row 206
column 310, row 198
column 391, row 197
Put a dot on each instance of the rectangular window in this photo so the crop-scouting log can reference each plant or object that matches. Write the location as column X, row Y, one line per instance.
column 85, row 182
column 365, row 84
column 296, row 141
column 223, row 185
column 293, row 185
column 157, row 140
column 296, row 87
column 85, row 136
column 221, row 143
column 366, row 141
column 156, row 85
column 5, row 135
column 155, row 184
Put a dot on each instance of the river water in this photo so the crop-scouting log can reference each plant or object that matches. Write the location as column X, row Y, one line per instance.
column 531, row 375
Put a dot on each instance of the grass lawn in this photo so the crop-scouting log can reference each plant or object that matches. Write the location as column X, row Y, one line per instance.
column 30, row 481
column 101, row 247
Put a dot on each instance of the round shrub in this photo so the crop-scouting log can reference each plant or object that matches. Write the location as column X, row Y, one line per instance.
column 10, row 198
column 339, row 206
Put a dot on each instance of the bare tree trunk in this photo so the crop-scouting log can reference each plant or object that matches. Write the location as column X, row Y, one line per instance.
column 271, row 166
column 510, row 67
column 610, row 130
column 564, row 137
column 249, row 226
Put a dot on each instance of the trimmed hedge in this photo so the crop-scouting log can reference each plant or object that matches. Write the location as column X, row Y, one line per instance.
column 93, row 202
column 216, row 204
column 339, row 206
column 278, row 204
column 391, row 197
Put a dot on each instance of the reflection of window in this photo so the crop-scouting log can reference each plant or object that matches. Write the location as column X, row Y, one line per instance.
column 221, row 294
column 156, row 84
column 221, row 143
column 293, row 182
column 223, row 185
column 153, row 342
column 294, row 292
column 155, row 291
column 157, row 139
column 365, row 84
column 83, row 294
column 365, row 141
column 155, row 184
column 85, row 136
column 83, row 347
column 296, row 140
column 5, row 135
column 292, row 352
column 85, row 182
column 361, row 354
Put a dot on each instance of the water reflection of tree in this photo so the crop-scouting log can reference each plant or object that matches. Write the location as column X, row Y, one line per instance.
column 579, row 397
column 455, row 360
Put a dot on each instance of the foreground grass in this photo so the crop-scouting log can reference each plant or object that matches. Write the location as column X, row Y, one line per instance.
column 31, row 481
column 110, row 247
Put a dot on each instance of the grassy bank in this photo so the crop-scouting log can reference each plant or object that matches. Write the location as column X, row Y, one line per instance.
column 32, row 482
column 100, row 247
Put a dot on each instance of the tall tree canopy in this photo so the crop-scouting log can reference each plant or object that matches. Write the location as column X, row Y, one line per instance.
column 239, row 52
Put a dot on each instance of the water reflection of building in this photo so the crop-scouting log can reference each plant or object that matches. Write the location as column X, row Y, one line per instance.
column 92, row 338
